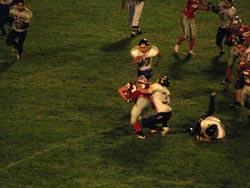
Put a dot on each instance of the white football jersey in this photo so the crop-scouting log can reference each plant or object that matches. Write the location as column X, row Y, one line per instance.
column 147, row 60
column 211, row 120
column 160, row 97
column 227, row 15
column 20, row 18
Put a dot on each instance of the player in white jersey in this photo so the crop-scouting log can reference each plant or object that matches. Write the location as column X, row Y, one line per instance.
column 135, row 12
column 227, row 13
column 211, row 128
column 208, row 127
column 161, row 102
column 4, row 13
column 21, row 16
column 142, row 55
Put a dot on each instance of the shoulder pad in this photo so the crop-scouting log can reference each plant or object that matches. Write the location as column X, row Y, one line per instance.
column 153, row 51
column 135, row 52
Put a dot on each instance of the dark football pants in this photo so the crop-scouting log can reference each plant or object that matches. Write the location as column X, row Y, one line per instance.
column 221, row 34
column 20, row 36
column 161, row 117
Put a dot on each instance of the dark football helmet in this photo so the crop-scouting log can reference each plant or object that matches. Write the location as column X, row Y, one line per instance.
column 211, row 130
column 143, row 42
column 164, row 81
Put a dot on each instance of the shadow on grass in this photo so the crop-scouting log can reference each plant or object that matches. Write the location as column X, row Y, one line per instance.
column 134, row 153
column 5, row 65
column 117, row 46
column 217, row 69
column 176, row 66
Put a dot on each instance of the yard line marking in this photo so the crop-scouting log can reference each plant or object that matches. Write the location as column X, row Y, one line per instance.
column 38, row 153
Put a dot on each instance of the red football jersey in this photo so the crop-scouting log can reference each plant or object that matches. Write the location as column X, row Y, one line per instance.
column 241, row 35
column 245, row 68
column 134, row 92
column 191, row 8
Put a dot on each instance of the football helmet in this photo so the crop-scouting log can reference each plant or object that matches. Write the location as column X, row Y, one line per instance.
column 211, row 130
column 143, row 42
column 142, row 79
column 236, row 21
column 227, row 4
column 143, row 45
column 164, row 81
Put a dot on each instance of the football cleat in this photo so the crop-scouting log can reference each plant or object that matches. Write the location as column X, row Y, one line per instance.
column 133, row 34
column 140, row 135
column 153, row 131
column 213, row 94
column 225, row 82
column 190, row 52
column 18, row 57
column 165, row 130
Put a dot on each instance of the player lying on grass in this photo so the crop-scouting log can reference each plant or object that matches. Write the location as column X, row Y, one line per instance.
column 208, row 127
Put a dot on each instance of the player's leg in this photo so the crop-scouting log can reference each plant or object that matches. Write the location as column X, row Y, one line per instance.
column 185, row 27
column 22, row 37
column 193, row 36
column 230, row 63
column 138, row 8
column 211, row 104
column 221, row 33
column 137, row 110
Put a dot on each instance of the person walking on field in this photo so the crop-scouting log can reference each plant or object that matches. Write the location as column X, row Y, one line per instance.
column 21, row 16
column 188, row 23
column 135, row 12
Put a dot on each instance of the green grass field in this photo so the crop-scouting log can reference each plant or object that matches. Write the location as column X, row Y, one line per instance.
column 63, row 124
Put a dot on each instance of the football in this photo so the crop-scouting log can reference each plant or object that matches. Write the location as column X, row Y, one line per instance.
column 128, row 95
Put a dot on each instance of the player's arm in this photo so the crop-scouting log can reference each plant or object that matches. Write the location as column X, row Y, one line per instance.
column 147, row 91
column 123, row 92
column 213, row 8
column 136, row 60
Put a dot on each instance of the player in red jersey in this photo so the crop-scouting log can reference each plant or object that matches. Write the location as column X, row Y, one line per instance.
column 188, row 23
column 242, row 84
column 240, row 39
column 130, row 93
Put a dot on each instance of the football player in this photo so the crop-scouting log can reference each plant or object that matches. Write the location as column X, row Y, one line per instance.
column 21, row 16
column 243, row 82
column 4, row 13
column 130, row 93
column 135, row 12
column 227, row 13
column 240, row 39
column 188, row 23
column 208, row 127
column 161, row 102
column 142, row 55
